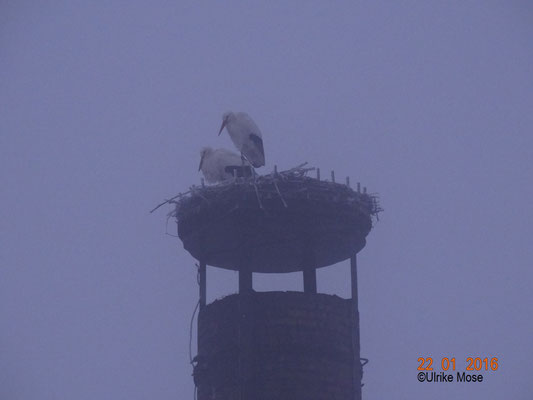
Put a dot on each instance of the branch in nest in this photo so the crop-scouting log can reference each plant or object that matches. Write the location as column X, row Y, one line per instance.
column 169, row 200
column 280, row 196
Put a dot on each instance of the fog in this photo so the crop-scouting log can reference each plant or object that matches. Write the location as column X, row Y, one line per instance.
column 104, row 109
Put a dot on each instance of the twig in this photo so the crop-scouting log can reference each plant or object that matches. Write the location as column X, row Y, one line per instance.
column 169, row 200
column 258, row 198
column 280, row 196
column 298, row 166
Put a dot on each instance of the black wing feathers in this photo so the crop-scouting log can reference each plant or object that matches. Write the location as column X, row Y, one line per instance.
column 258, row 142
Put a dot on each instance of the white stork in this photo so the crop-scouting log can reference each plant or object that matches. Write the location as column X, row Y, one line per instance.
column 245, row 135
column 220, row 164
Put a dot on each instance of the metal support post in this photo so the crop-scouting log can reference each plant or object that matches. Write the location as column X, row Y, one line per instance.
column 203, row 283
column 356, row 344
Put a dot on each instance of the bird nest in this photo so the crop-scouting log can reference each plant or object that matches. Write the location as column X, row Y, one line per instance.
column 276, row 222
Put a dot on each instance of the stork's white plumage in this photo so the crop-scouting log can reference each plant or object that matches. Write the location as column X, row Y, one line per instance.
column 245, row 135
column 218, row 165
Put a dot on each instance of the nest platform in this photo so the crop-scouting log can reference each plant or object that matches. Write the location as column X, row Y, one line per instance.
column 281, row 222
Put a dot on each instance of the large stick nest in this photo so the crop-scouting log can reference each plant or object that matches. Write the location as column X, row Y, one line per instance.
column 276, row 222
column 283, row 188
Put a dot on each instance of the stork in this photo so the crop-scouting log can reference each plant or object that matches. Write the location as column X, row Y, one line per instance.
column 245, row 135
column 220, row 164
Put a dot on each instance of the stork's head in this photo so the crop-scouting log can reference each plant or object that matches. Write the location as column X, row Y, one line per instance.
column 204, row 153
column 225, row 118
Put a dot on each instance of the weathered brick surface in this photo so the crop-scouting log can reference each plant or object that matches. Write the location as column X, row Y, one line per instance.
column 299, row 346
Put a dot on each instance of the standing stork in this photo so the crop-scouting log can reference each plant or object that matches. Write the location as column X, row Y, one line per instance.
column 221, row 164
column 245, row 135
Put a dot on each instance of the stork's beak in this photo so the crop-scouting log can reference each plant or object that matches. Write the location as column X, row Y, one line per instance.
column 222, row 126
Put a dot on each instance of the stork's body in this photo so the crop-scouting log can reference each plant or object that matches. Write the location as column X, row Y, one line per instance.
column 246, row 136
column 219, row 165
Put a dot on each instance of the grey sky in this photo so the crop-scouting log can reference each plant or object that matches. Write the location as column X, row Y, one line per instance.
column 103, row 110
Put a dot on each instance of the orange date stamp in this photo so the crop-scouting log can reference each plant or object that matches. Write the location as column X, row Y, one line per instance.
column 472, row 364
column 471, row 370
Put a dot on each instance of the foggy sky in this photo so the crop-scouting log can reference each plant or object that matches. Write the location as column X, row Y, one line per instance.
column 104, row 108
